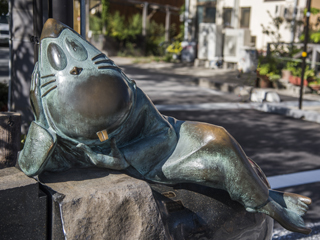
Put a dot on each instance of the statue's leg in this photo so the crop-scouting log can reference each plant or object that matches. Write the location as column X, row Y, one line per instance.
column 209, row 155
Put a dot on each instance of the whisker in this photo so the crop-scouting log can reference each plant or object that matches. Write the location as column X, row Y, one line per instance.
column 109, row 67
column 48, row 91
column 103, row 61
column 50, row 75
column 97, row 56
column 45, row 84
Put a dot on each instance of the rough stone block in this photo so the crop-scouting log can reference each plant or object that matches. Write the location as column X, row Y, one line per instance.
column 102, row 204
column 23, row 207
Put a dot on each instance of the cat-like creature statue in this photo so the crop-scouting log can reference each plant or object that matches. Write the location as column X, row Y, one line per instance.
column 89, row 113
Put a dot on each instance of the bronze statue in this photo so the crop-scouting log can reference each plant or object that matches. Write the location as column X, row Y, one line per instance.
column 89, row 113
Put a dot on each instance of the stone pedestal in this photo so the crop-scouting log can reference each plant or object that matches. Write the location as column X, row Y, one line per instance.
column 23, row 207
column 103, row 204
column 191, row 211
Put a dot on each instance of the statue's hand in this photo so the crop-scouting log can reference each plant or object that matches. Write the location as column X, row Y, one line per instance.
column 116, row 161
column 35, row 95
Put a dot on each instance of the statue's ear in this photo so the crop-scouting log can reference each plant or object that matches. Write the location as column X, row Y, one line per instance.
column 37, row 150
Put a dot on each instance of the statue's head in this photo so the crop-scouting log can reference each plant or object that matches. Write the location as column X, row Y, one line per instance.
column 82, row 91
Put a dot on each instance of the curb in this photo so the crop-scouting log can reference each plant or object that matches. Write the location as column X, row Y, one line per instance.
column 278, row 108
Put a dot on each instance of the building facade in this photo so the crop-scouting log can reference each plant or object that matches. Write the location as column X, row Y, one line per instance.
column 248, row 14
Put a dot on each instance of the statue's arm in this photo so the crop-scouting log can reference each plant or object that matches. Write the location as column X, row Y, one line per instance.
column 142, row 154
column 38, row 147
column 146, row 153
column 115, row 161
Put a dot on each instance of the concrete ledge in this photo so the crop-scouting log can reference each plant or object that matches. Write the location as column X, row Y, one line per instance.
column 23, row 207
column 283, row 108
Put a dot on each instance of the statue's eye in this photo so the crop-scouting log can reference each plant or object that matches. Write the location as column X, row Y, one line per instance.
column 57, row 57
column 76, row 49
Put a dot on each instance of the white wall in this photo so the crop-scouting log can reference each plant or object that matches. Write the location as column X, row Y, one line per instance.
column 259, row 15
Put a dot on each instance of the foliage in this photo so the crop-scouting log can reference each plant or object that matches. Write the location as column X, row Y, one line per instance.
column 180, row 37
column 3, row 7
column 308, row 73
column 315, row 82
column 296, row 70
column 95, row 23
column 314, row 35
column 105, row 13
column 293, row 67
column 269, row 66
column 273, row 31
column 155, row 33
column 128, row 32
column 174, row 48
column 313, row 11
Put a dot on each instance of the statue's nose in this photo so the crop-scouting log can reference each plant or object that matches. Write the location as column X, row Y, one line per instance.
column 76, row 70
column 52, row 28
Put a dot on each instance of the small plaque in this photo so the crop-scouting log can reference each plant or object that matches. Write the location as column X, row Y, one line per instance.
column 103, row 135
column 169, row 194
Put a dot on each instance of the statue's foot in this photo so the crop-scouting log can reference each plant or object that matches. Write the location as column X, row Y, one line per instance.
column 288, row 218
column 294, row 202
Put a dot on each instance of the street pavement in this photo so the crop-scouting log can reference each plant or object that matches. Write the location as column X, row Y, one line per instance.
column 283, row 146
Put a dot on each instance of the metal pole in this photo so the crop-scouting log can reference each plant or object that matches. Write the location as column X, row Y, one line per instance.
column 37, row 25
column 83, row 18
column 62, row 10
column 186, row 21
column 10, row 55
column 304, row 53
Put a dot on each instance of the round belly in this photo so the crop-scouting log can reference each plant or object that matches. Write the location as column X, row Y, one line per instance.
column 82, row 107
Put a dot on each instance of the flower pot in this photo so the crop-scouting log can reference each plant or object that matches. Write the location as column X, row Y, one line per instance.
column 305, row 81
column 285, row 74
column 264, row 81
column 315, row 87
column 292, row 79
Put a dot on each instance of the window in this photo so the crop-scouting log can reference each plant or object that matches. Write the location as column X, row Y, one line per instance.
column 206, row 14
column 227, row 13
column 206, row 11
column 245, row 17
column 253, row 41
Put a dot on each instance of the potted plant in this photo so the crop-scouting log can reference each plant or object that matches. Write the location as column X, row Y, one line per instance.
column 267, row 72
column 308, row 76
column 315, row 85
